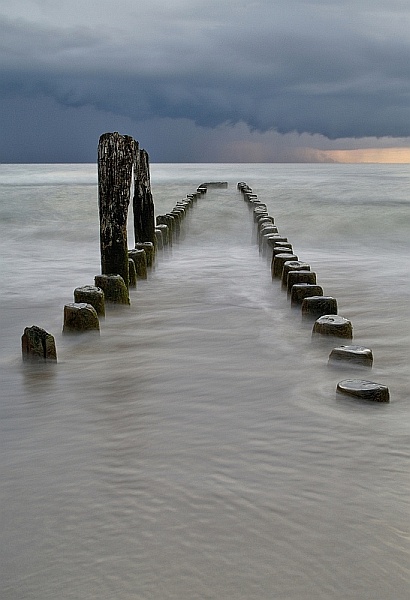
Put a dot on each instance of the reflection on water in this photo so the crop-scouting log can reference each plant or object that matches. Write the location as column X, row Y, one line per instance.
column 198, row 449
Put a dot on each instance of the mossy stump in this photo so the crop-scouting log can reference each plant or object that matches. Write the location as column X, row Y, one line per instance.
column 38, row 346
column 359, row 356
column 114, row 288
column 364, row 390
column 80, row 317
column 139, row 256
column 333, row 325
column 90, row 294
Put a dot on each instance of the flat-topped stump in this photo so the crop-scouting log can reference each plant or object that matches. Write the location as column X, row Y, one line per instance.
column 351, row 355
column 90, row 294
column 114, row 288
column 333, row 325
column 80, row 317
column 364, row 390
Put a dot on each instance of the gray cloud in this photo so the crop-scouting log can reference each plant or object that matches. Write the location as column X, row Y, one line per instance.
column 338, row 69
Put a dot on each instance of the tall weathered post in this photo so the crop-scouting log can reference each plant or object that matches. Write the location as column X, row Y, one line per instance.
column 143, row 204
column 116, row 158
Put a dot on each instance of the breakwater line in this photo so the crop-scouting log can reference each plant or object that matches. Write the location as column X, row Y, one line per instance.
column 119, row 159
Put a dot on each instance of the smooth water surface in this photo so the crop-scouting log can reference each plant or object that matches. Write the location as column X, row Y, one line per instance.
column 197, row 449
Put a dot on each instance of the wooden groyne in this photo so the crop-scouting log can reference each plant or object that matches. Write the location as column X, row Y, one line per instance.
column 123, row 167
column 305, row 294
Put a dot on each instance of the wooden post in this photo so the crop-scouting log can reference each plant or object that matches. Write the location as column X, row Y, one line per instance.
column 116, row 157
column 143, row 205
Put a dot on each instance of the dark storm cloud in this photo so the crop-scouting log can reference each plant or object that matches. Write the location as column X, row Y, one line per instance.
column 336, row 68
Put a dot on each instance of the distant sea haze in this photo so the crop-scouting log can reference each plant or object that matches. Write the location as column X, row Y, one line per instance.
column 197, row 448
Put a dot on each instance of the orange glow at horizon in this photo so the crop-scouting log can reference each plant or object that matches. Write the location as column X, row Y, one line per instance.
column 369, row 155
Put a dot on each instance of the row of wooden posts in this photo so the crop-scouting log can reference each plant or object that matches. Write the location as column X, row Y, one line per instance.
column 300, row 283
column 121, row 167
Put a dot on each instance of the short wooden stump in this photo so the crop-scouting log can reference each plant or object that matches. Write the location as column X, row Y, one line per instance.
column 300, row 291
column 333, row 325
column 38, row 346
column 139, row 257
column 132, row 274
column 149, row 251
column 165, row 233
column 364, row 390
column 159, row 241
column 80, row 317
column 90, row 294
column 278, row 260
column 296, row 277
column 317, row 306
column 352, row 355
column 293, row 265
column 114, row 288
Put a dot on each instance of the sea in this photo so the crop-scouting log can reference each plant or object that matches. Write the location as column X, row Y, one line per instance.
column 197, row 449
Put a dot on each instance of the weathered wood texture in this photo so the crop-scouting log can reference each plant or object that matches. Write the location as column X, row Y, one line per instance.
column 116, row 158
column 143, row 205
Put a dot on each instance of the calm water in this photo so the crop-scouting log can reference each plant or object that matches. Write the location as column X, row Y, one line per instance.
column 198, row 449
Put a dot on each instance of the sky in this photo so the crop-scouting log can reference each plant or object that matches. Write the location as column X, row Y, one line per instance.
column 206, row 81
